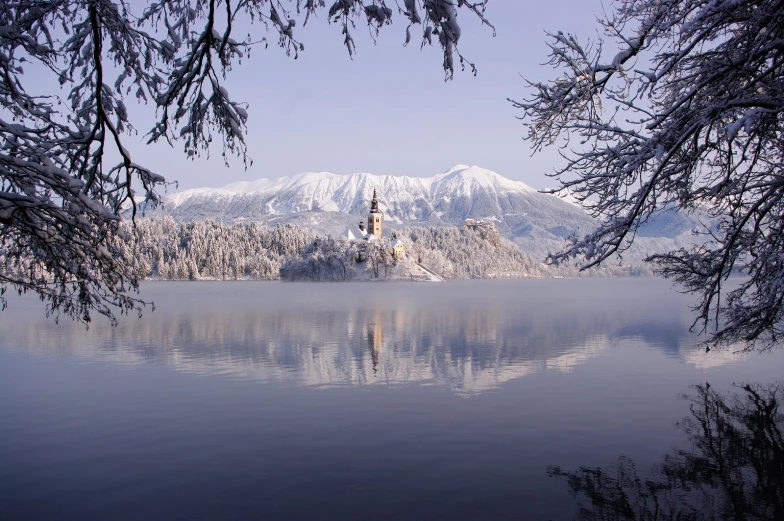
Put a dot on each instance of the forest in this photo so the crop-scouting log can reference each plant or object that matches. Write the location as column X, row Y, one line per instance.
column 165, row 249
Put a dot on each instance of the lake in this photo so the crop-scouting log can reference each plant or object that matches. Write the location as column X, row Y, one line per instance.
column 266, row 400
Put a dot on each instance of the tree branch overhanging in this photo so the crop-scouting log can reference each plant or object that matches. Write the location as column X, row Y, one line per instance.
column 60, row 203
column 686, row 116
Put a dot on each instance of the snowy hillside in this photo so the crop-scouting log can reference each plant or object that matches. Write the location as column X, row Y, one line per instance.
column 331, row 203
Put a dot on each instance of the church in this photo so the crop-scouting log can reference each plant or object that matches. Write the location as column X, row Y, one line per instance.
column 375, row 221
column 374, row 231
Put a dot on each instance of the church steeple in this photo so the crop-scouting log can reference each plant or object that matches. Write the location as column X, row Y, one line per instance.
column 375, row 219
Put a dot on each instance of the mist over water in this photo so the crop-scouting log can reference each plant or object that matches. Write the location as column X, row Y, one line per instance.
column 345, row 401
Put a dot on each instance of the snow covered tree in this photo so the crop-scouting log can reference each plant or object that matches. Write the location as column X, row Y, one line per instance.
column 683, row 112
column 208, row 249
column 324, row 259
column 469, row 253
column 65, row 175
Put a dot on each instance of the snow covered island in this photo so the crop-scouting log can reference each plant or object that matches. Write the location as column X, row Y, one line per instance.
column 363, row 254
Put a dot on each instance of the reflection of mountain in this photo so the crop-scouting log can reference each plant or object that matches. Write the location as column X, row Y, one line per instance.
column 702, row 360
column 470, row 337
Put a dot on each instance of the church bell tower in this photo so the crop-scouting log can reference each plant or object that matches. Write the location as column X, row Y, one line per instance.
column 375, row 219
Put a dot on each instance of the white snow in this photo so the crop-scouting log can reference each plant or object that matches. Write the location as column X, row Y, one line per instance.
column 326, row 191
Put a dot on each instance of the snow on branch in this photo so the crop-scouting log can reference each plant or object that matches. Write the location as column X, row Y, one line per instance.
column 686, row 113
column 60, row 202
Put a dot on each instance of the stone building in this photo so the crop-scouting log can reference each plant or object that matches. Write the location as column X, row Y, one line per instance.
column 398, row 248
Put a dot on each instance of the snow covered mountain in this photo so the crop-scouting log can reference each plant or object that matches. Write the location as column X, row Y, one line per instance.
column 330, row 203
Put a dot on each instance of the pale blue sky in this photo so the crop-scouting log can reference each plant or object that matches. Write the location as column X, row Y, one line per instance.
column 389, row 111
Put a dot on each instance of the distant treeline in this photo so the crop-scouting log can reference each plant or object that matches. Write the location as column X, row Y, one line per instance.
column 167, row 249
column 462, row 253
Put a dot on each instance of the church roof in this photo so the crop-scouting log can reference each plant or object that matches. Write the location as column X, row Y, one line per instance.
column 349, row 235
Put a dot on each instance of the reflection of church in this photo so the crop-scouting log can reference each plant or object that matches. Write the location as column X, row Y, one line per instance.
column 375, row 336
column 374, row 230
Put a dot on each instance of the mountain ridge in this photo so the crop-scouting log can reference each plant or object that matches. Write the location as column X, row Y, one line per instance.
column 330, row 203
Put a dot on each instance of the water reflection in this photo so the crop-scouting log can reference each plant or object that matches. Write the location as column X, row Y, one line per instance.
column 733, row 470
column 469, row 337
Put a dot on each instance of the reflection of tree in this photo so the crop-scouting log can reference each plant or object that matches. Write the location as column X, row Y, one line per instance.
column 734, row 470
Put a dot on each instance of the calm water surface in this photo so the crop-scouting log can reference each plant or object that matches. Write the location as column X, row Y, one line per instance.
column 346, row 401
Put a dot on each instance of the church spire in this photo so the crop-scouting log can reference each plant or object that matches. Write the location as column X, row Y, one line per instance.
column 375, row 219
